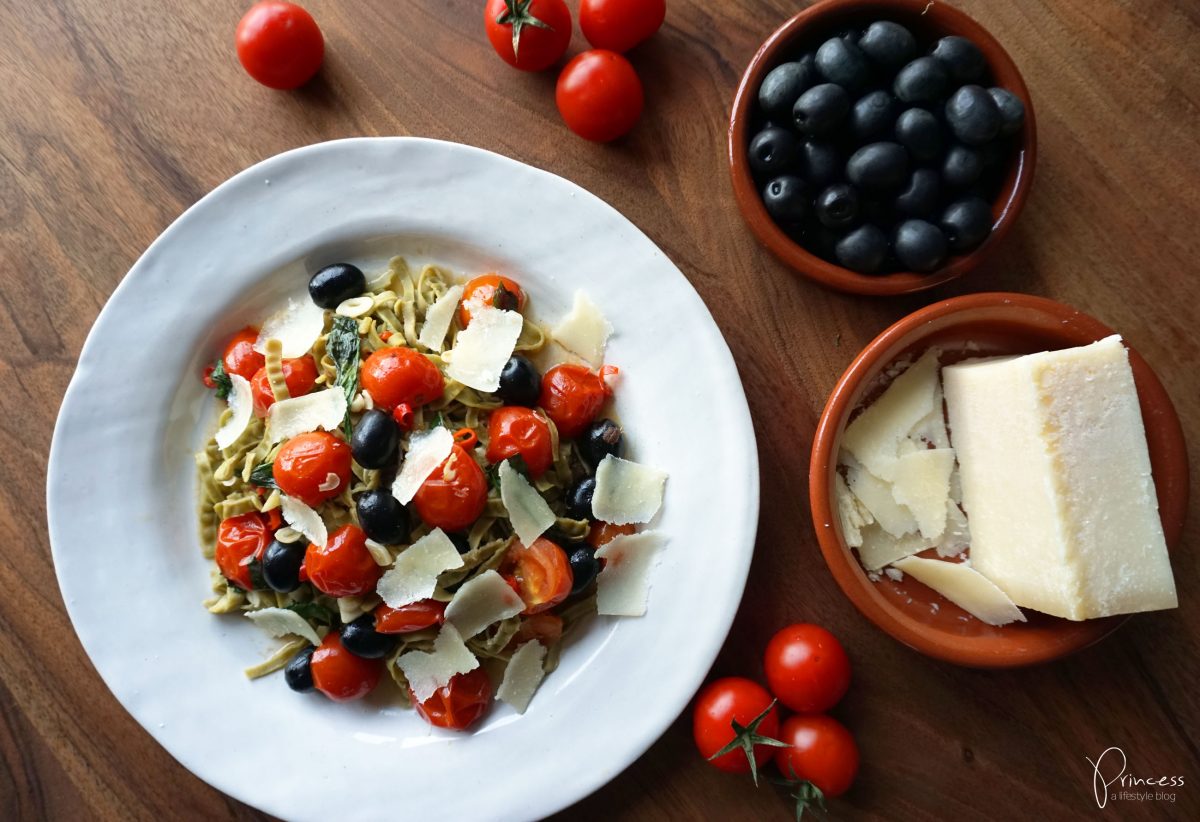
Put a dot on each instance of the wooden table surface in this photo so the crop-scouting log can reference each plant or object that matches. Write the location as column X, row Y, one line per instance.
column 119, row 115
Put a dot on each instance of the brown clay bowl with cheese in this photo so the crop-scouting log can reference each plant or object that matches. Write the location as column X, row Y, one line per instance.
column 971, row 326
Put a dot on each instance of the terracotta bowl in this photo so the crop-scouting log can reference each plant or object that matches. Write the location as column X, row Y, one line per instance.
column 991, row 323
column 928, row 21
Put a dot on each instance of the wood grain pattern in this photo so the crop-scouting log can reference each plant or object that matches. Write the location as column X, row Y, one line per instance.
column 119, row 115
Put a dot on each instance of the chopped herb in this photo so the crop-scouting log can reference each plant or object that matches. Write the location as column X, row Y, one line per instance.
column 263, row 476
column 516, row 461
column 313, row 612
column 344, row 347
column 437, row 421
column 221, row 379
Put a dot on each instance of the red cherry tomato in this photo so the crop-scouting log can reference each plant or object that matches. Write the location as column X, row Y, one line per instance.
column 401, row 376
column 602, row 533
column 280, row 44
column 821, row 750
column 491, row 290
column 415, row 616
column 514, row 430
column 454, row 495
column 720, row 704
column 300, row 375
column 341, row 675
column 528, row 34
column 572, row 396
column 619, row 25
column 240, row 541
column 240, row 357
column 545, row 628
column 540, row 574
column 599, row 95
column 807, row 668
column 343, row 567
column 460, row 703
column 304, row 464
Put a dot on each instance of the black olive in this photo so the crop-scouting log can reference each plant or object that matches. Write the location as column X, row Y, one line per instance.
column 873, row 116
column 837, row 206
column 1012, row 110
column 335, row 284
column 878, row 166
column 375, row 438
column 921, row 133
column 922, row 81
column 298, row 673
column 921, row 196
column 967, row 223
column 888, row 44
column 601, row 438
column 973, row 115
column 961, row 167
column 820, row 163
column 281, row 565
column 786, row 199
column 840, row 61
column 863, row 250
column 821, row 109
column 579, row 499
column 783, row 86
column 361, row 639
column 520, row 382
column 382, row 517
column 961, row 57
column 584, row 567
column 919, row 245
column 774, row 151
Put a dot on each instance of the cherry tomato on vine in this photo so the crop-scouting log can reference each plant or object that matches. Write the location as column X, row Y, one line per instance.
column 719, row 705
column 528, row 34
column 280, row 44
column 619, row 25
column 513, row 430
column 415, row 616
column 401, row 378
column 240, row 541
column 599, row 95
column 342, row 567
column 807, row 668
column 540, row 574
column 307, row 466
column 300, row 375
column 240, row 357
column 341, row 675
column 821, row 750
column 602, row 533
column 572, row 396
column 458, row 704
column 454, row 495
column 491, row 290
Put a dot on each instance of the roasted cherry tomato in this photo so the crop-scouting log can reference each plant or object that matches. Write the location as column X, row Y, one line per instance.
column 490, row 290
column 514, row 430
column 619, row 25
column 280, row 44
column 454, row 495
column 599, row 95
column 398, row 377
column 341, row 675
column 343, row 567
column 545, row 628
column 415, row 616
column 300, row 375
column 807, row 668
column 572, row 396
column 540, row 574
column 313, row 467
column 240, row 357
column 528, row 34
column 602, row 533
column 821, row 750
column 240, row 541
column 458, row 704
column 720, row 704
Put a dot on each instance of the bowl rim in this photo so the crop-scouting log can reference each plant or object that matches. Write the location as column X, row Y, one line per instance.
column 846, row 569
column 1005, row 208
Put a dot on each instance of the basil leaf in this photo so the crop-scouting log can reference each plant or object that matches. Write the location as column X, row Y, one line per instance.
column 345, row 348
column 263, row 476
column 221, row 379
column 438, row 421
column 313, row 612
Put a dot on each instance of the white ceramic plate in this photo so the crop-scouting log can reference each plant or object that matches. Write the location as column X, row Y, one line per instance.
column 121, row 486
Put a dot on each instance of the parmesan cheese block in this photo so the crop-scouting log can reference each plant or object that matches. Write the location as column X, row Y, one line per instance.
column 414, row 574
column 281, row 622
column 623, row 585
column 426, row 672
column 304, row 519
column 297, row 326
column 438, row 318
column 875, row 435
column 1056, row 481
column 584, row 331
column 299, row 415
column 627, row 492
column 426, row 451
column 241, row 407
column 522, row 676
column 965, row 587
column 483, row 348
column 482, row 601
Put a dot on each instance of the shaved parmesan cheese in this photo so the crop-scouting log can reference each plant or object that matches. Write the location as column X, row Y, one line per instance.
column 482, row 601
column 622, row 586
column 281, row 622
column 957, row 536
column 876, row 496
column 529, row 513
column 584, row 331
column 413, row 576
column 522, row 676
column 922, row 484
column 965, row 587
column 852, row 514
column 426, row 451
column 875, row 435
column 426, row 672
column 299, row 415
column 305, row 520
column 627, row 492
column 880, row 548
column 438, row 318
column 483, row 347
column 379, row 553
column 297, row 326
column 241, row 403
